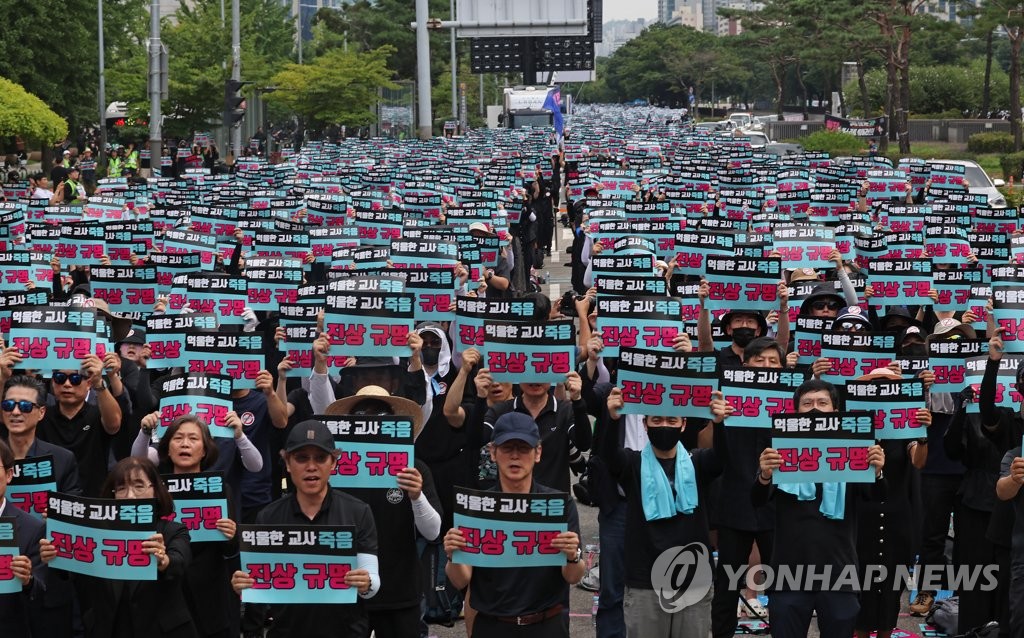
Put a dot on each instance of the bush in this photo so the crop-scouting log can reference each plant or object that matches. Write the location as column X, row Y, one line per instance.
column 1012, row 164
column 835, row 143
column 990, row 143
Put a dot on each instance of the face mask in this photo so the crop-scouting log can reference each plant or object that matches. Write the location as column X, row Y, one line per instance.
column 430, row 356
column 663, row 438
column 915, row 350
column 814, row 411
column 743, row 336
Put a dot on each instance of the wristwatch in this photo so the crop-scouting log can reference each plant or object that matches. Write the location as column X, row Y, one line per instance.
column 576, row 559
column 103, row 386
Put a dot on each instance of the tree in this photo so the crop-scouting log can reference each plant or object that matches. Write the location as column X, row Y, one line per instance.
column 26, row 116
column 338, row 87
column 200, row 58
column 1010, row 15
column 50, row 48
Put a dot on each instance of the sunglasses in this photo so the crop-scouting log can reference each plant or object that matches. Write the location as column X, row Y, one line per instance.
column 8, row 405
column 831, row 305
column 76, row 378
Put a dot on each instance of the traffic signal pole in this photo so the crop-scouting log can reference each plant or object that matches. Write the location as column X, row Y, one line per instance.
column 236, row 74
column 155, row 117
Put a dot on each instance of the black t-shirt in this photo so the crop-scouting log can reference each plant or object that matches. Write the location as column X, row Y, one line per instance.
column 84, row 436
column 733, row 507
column 323, row 621
column 805, row 538
column 557, row 423
column 398, row 557
column 518, row 591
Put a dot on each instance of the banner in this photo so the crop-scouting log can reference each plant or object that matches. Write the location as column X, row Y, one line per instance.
column 823, row 448
column 165, row 336
column 510, row 530
column 207, row 397
column 236, row 355
column 894, row 404
column 757, row 394
column 471, row 313
column 875, row 127
column 667, row 383
column 529, row 352
column 33, row 480
column 856, row 353
column 9, row 583
column 899, row 282
column 55, row 338
column 369, row 324
column 200, row 500
column 373, row 450
column 102, row 537
column 650, row 322
column 298, row 564
column 750, row 283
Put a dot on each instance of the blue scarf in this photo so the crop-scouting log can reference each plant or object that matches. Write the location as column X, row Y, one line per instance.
column 656, row 490
column 833, row 497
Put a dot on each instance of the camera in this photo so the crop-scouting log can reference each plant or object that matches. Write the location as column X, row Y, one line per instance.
column 567, row 304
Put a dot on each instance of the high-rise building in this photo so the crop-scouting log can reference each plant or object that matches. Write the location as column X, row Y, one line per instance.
column 665, row 10
column 306, row 9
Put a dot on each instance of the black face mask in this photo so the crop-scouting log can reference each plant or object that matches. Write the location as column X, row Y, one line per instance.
column 813, row 412
column 915, row 350
column 743, row 336
column 663, row 438
column 431, row 356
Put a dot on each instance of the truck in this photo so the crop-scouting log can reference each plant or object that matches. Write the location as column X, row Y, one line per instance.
column 524, row 106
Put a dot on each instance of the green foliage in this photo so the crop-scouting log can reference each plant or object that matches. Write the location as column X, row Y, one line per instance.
column 990, row 143
column 940, row 90
column 338, row 87
column 834, row 142
column 1012, row 165
column 24, row 115
column 200, row 58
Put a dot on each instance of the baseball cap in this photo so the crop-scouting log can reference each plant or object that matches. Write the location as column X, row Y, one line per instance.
column 310, row 433
column 67, row 152
column 136, row 336
column 480, row 227
column 515, row 426
column 803, row 274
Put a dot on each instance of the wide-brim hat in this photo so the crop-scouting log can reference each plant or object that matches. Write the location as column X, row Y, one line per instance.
column 400, row 406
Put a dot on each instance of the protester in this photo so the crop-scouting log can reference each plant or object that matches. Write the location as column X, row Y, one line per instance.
column 145, row 607
column 309, row 455
column 815, row 525
column 510, row 600
column 18, row 615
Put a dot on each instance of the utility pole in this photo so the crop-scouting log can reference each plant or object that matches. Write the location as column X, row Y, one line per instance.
column 155, row 136
column 424, row 121
column 101, row 153
column 236, row 73
column 455, row 69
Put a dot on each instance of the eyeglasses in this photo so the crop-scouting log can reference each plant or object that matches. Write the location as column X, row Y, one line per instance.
column 305, row 457
column 8, row 405
column 76, row 378
column 136, row 488
column 822, row 305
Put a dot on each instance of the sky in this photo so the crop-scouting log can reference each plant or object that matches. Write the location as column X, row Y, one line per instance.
column 630, row 9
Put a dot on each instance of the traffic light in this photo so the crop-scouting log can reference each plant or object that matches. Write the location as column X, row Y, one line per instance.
column 234, row 102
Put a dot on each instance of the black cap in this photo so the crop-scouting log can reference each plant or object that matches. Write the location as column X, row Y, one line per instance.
column 136, row 336
column 310, row 433
column 515, row 426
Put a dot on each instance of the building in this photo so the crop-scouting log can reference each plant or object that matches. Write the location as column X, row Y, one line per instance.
column 703, row 14
column 948, row 10
column 306, row 9
column 617, row 33
column 666, row 8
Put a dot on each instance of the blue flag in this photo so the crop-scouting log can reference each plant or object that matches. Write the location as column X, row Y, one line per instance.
column 553, row 101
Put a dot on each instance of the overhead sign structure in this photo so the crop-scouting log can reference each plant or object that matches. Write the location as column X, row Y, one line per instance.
column 494, row 18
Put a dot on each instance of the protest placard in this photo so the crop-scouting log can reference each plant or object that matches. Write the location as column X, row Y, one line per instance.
column 298, row 564
column 510, row 530
column 102, row 537
column 823, row 448
column 373, row 450
column 200, row 500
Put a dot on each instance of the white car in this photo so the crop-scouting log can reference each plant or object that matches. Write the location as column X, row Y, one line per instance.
column 979, row 180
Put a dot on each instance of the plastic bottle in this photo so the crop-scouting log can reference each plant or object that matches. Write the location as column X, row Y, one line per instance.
column 593, row 610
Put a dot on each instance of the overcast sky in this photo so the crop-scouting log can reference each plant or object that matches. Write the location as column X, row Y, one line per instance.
column 630, row 9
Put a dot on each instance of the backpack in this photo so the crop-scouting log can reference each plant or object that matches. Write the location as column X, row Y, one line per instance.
column 442, row 603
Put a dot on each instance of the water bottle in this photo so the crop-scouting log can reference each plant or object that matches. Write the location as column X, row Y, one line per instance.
column 547, row 277
column 593, row 609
